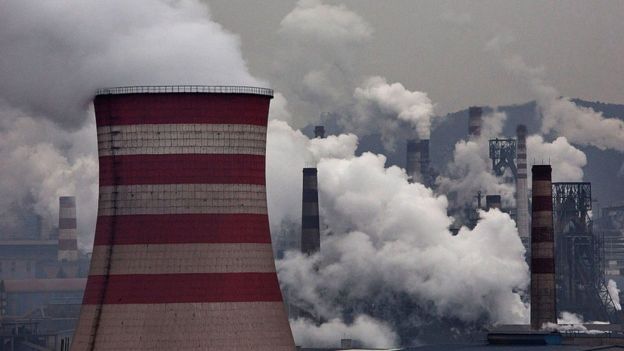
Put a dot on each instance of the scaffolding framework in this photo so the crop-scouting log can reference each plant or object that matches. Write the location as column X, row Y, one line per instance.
column 579, row 269
column 503, row 156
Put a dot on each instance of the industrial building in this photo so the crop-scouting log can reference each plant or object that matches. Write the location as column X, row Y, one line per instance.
column 43, row 278
column 182, row 257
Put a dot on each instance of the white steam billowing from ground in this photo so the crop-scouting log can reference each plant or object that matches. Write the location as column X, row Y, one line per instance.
column 389, row 246
column 56, row 54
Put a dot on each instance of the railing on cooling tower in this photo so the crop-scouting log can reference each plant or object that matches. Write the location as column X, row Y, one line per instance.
column 215, row 89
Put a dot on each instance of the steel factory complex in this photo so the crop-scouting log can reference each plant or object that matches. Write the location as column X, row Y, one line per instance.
column 182, row 256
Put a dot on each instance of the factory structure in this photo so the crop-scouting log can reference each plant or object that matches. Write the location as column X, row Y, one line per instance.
column 183, row 256
column 42, row 280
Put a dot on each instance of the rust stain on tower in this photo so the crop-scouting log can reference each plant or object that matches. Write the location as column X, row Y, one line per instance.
column 182, row 256
column 543, row 301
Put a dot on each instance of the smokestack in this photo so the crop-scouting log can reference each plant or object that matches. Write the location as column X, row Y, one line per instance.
column 543, row 301
column 417, row 161
column 493, row 201
column 319, row 132
column 475, row 119
column 310, row 230
column 182, row 254
column 522, row 197
column 67, row 240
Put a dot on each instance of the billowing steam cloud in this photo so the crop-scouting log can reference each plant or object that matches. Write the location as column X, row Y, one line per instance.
column 317, row 61
column 470, row 172
column 41, row 162
column 580, row 125
column 566, row 160
column 318, row 67
column 389, row 247
column 56, row 54
column 470, row 169
column 413, row 107
column 325, row 22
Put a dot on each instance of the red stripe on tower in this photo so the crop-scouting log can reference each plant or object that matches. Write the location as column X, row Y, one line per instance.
column 182, row 256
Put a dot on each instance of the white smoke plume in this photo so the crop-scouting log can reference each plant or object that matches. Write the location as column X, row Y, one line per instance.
column 364, row 330
column 317, row 61
column 470, row 170
column 54, row 57
column 317, row 71
column 288, row 151
column 413, row 107
column 560, row 115
column 56, row 54
column 41, row 162
column 325, row 22
column 567, row 161
column 388, row 246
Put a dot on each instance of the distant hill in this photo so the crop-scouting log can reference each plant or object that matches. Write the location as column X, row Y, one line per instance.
column 602, row 166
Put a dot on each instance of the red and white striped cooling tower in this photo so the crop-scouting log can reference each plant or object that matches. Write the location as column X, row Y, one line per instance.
column 182, row 257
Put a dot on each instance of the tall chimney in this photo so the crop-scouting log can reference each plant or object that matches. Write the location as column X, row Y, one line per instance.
column 319, row 132
column 417, row 161
column 67, row 240
column 493, row 201
column 475, row 119
column 522, row 197
column 182, row 256
column 543, row 301
column 310, row 230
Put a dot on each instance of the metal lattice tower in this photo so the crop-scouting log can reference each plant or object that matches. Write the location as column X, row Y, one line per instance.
column 579, row 261
column 503, row 156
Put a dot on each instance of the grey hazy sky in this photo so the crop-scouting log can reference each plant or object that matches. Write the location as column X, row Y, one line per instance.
column 439, row 46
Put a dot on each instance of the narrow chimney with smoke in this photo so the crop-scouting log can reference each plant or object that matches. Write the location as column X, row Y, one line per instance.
column 319, row 132
column 522, row 197
column 310, row 230
column 493, row 201
column 182, row 254
column 67, row 240
column 543, row 301
column 417, row 161
column 475, row 119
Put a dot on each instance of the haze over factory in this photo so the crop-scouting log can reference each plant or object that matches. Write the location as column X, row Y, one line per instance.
column 318, row 175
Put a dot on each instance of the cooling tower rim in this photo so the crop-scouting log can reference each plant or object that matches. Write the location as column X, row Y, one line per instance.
column 186, row 89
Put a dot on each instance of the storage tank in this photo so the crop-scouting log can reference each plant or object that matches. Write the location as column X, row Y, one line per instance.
column 182, row 257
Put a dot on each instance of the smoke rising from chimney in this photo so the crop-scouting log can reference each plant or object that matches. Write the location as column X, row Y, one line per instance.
column 54, row 57
column 389, row 245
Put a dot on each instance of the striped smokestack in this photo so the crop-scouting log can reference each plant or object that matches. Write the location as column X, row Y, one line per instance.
column 67, row 241
column 310, row 231
column 522, row 197
column 417, row 161
column 543, row 301
column 182, row 256
column 475, row 119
